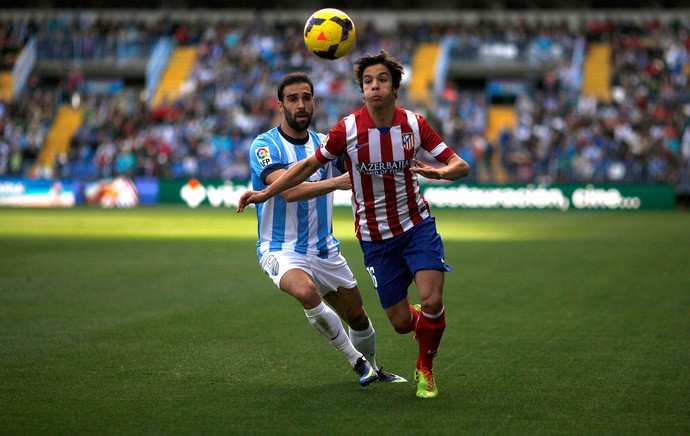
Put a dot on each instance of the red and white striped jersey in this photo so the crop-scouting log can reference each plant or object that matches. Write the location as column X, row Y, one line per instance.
column 386, row 200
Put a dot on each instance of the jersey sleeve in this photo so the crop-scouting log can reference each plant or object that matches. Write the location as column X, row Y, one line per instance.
column 432, row 142
column 333, row 145
column 264, row 157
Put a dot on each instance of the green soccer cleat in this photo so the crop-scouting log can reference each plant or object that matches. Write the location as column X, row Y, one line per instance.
column 388, row 377
column 365, row 373
column 426, row 387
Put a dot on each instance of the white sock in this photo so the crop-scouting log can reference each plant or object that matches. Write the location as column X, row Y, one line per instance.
column 365, row 342
column 327, row 322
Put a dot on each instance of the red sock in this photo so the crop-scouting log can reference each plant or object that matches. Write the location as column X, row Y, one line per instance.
column 429, row 332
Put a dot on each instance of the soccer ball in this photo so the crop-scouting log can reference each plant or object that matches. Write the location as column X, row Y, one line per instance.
column 329, row 33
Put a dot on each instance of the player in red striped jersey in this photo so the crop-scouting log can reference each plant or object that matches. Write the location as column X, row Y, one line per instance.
column 396, row 230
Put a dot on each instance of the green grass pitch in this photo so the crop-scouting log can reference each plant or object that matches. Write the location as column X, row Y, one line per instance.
column 157, row 320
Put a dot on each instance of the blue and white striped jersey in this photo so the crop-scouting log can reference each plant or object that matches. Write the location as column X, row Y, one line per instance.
column 305, row 226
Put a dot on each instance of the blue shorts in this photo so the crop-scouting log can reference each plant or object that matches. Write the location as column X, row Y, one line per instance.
column 392, row 263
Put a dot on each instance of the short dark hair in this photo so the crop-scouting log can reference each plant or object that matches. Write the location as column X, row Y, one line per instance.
column 383, row 57
column 292, row 79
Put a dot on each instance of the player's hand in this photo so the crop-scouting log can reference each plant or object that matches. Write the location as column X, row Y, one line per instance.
column 343, row 182
column 426, row 170
column 250, row 197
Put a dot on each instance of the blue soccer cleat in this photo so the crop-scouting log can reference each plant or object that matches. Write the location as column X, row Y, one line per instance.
column 365, row 373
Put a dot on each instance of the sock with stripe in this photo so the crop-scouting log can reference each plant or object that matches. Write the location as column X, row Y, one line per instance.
column 429, row 332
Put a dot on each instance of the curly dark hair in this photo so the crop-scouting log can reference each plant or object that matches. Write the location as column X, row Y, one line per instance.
column 383, row 57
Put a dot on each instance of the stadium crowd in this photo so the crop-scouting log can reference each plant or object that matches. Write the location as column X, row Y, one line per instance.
column 642, row 135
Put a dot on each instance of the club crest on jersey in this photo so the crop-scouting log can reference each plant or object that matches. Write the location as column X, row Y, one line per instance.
column 408, row 141
column 263, row 156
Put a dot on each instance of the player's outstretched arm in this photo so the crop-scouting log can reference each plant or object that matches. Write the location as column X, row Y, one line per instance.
column 249, row 197
column 455, row 168
column 297, row 174
column 308, row 190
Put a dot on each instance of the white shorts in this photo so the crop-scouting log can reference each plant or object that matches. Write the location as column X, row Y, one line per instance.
column 328, row 274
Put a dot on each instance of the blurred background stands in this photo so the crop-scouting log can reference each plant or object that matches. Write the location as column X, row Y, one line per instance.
column 524, row 96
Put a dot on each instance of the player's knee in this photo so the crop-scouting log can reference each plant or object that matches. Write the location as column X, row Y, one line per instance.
column 308, row 297
column 402, row 325
column 403, row 329
column 432, row 304
column 357, row 319
column 400, row 317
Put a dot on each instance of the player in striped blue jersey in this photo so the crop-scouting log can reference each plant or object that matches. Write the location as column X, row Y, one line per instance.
column 296, row 246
